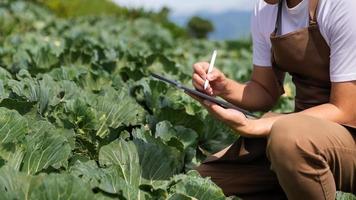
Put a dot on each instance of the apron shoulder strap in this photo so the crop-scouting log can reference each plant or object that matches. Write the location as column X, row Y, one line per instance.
column 313, row 9
column 278, row 26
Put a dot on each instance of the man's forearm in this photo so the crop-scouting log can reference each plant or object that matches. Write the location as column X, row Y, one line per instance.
column 326, row 111
column 331, row 112
column 251, row 96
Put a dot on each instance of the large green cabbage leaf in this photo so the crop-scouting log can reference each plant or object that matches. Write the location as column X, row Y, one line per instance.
column 46, row 146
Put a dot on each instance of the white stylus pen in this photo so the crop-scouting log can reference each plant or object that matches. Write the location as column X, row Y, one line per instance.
column 211, row 65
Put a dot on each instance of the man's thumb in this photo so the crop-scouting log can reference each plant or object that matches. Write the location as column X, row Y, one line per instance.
column 211, row 77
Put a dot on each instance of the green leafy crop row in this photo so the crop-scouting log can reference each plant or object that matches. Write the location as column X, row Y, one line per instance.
column 80, row 118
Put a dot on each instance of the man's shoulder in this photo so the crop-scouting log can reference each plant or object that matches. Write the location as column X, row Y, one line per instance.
column 264, row 17
column 262, row 8
column 336, row 15
column 332, row 6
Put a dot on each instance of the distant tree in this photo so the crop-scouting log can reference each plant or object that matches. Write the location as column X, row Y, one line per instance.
column 164, row 13
column 199, row 27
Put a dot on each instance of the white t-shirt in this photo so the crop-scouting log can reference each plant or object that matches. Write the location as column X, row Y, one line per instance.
column 337, row 23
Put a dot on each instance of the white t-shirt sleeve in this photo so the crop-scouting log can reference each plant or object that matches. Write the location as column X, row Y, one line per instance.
column 341, row 30
column 261, row 47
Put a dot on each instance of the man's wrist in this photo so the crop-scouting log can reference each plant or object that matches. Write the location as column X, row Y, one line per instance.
column 259, row 128
column 229, row 84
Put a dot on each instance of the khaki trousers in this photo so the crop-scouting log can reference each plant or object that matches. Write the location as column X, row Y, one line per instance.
column 303, row 158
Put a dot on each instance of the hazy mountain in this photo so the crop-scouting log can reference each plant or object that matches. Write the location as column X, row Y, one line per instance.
column 228, row 25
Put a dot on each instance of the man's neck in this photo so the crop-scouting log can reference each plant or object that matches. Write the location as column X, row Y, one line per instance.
column 293, row 3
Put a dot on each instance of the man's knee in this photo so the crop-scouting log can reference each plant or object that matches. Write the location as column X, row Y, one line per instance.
column 286, row 136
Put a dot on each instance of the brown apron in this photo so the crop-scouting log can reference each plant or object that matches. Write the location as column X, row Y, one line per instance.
column 305, row 55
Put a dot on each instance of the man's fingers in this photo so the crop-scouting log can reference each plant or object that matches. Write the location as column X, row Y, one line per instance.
column 201, row 69
column 226, row 115
column 216, row 110
column 213, row 107
column 198, row 83
column 204, row 66
column 199, row 80
column 214, row 75
column 198, row 86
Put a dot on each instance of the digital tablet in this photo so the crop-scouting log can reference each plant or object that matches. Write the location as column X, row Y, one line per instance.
column 222, row 103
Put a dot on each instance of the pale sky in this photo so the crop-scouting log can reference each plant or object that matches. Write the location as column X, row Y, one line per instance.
column 189, row 7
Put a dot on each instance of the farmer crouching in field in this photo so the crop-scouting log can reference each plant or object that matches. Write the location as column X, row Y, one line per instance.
column 308, row 154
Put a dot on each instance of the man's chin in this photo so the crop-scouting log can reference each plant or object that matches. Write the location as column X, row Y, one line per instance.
column 271, row 1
